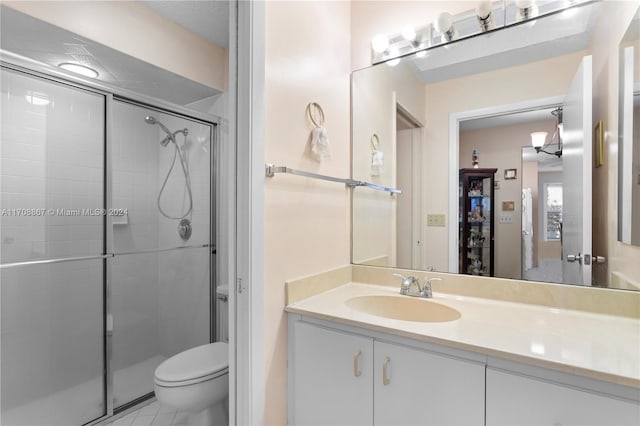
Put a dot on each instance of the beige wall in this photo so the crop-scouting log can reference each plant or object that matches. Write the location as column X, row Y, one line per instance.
column 621, row 258
column 134, row 29
column 501, row 148
column 307, row 221
column 376, row 91
column 536, row 80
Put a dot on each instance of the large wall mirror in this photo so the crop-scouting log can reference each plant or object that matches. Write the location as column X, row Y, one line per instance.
column 629, row 136
column 472, row 105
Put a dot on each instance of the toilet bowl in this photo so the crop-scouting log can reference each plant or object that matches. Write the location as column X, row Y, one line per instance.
column 196, row 381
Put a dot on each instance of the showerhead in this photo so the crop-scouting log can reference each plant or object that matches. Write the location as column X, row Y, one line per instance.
column 149, row 119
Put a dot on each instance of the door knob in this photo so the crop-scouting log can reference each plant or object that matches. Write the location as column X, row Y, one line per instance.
column 574, row 258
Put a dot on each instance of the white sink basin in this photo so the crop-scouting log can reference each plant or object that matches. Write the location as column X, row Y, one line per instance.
column 403, row 308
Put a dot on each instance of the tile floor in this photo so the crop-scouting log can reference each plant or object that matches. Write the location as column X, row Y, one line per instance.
column 151, row 415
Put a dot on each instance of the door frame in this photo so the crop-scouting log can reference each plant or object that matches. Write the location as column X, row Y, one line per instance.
column 454, row 153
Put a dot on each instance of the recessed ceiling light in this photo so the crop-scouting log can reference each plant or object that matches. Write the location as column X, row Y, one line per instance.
column 36, row 98
column 79, row 69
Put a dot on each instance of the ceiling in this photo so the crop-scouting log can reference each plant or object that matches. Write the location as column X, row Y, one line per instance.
column 207, row 18
column 31, row 38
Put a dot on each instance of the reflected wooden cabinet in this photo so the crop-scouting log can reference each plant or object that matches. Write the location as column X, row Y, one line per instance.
column 476, row 221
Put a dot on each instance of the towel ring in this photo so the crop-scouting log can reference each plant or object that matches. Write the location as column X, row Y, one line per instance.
column 375, row 142
column 315, row 114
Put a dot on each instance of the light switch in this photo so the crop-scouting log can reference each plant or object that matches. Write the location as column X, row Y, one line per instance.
column 436, row 220
column 506, row 218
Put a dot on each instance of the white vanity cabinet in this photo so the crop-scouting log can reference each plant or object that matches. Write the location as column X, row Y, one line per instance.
column 514, row 400
column 339, row 378
column 331, row 375
column 414, row 387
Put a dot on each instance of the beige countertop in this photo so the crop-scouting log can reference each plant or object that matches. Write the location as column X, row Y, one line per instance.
column 599, row 346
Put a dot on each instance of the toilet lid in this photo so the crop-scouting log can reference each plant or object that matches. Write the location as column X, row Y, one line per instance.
column 195, row 363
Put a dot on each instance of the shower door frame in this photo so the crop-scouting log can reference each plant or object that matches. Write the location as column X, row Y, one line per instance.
column 110, row 95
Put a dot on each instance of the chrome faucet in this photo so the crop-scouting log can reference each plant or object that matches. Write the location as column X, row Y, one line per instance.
column 407, row 284
column 426, row 290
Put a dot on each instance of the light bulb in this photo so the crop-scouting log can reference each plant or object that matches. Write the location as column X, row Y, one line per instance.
column 444, row 25
column 524, row 4
column 380, row 43
column 483, row 9
column 538, row 139
column 483, row 13
column 409, row 34
column 444, row 22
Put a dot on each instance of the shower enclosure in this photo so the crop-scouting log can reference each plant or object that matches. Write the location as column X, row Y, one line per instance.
column 107, row 246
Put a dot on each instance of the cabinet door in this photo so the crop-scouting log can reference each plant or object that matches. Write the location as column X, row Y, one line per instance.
column 332, row 377
column 515, row 400
column 413, row 387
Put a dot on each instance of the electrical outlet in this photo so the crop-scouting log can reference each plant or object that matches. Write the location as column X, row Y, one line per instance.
column 506, row 218
column 436, row 220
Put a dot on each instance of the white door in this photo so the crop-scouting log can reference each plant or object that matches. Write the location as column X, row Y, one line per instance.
column 413, row 387
column 331, row 377
column 576, row 177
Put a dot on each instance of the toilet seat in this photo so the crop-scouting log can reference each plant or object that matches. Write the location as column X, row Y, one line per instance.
column 195, row 365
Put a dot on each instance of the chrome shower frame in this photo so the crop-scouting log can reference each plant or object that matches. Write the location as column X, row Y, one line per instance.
column 111, row 94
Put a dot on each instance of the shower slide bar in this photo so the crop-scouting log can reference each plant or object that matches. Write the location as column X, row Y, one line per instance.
column 271, row 170
column 98, row 256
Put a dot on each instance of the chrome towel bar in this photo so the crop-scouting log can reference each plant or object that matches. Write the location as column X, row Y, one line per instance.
column 271, row 170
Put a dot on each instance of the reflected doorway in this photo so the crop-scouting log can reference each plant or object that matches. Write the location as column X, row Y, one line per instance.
column 409, row 204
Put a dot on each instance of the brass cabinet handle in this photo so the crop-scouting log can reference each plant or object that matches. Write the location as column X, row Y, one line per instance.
column 385, row 372
column 356, row 369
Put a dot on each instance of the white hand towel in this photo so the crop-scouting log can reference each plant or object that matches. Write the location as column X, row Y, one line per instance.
column 320, row 143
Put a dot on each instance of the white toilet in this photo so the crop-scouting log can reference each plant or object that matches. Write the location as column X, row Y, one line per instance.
column 197, row 381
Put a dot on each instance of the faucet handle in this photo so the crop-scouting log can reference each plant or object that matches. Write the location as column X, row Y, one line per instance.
column 428, row 281
column 426, row 289
column 406, row 283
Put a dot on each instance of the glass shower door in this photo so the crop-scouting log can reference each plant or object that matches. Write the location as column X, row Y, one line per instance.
column 51, row 234
column 160, row 279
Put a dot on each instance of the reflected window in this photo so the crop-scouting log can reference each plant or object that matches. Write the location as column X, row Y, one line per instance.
column 552, row 211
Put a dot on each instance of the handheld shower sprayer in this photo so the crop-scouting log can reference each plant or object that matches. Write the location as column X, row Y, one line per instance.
column 171, row 137
column 149, row 119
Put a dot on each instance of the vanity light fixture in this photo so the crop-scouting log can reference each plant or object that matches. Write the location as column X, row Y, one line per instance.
column 483, row 13
column 489, row 15
column 79, row 69
column 538, row 139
